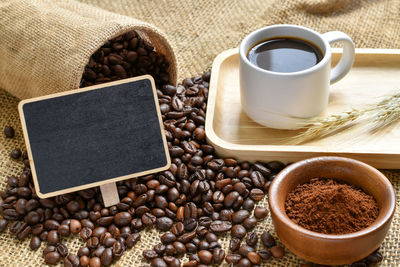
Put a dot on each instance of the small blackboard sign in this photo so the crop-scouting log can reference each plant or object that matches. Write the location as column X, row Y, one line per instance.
column 94, row 136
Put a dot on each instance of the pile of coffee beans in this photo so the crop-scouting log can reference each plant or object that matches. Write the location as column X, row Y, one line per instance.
column 199, row 198
column 125, row 56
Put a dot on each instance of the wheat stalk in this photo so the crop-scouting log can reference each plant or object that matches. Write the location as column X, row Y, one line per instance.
column 372, row 118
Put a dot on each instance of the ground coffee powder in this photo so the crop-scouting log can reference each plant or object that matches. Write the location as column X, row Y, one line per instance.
column 331, row 207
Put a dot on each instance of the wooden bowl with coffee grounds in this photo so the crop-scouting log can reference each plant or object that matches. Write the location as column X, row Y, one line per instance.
column 321, row 247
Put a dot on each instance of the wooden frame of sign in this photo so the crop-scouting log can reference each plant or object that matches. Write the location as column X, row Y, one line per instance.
column 120, row 118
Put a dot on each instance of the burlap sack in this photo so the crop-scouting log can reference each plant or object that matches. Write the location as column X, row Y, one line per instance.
column 46, row 44
column 200, row 30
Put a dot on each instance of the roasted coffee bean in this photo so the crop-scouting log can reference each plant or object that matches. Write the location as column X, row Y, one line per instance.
column 244, row 262
column 240, row 216
column 233, row 258
column 256, row 194
column 43, row 235
column 190, row 247
column 374, row 258
column 257, row 178
column 3, row 225
column 62, row 249
column 159, row 248
column 158, row 212
column 277, row 251
column 86, row 233
column 23, row 231
column 148, row 219
column 210, row 237
column 24, row 192
column 141, row 210
column 63, row 230
column 234, row 244
column 20, row 207
column 75, row 226
column 95, row 262
column 149, row 254
column 52, row 237
column 15, row 226
column 136, row 223
column 202, row 231
column 84, row 261
column 172, row 261
column 16, row 153
column 168, row 238
column 98, row 231
column 132, row 240
column 196, row 241
column 238, row 231
column 49, row 249
column 71, row 261
column 267, row 239
column 35, row 243
column 37, row 229
column 254, row 257
column 275, row 166
column 10, row 214
column 177, row 228
column 158, row 262
column 164, row 223
column 359, row 264
column 203, row 245
column 225, row 215
column 92, row 242
column 260, row 213
column 205, row 221
column 220, row 226
column 230, row 199
column 83, row 251
column 264, row 254
column 250, row 223
column 179, row 247
column 122, row 218
column 244, row 250
column 218, row 256
column 187, row 237
column 98, row 251
column 170, row 250
column 109, row 241
column 9, row 132
column 190, row 263
column 190, row 224
column 105, row 221
column 118, row 248
column 52, row 258
column 205, row 256
column 252, row 239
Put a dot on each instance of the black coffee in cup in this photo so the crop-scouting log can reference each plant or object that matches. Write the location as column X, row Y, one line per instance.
column 284, row 54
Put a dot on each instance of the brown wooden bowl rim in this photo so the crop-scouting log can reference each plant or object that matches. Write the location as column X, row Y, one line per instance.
column 283, row 218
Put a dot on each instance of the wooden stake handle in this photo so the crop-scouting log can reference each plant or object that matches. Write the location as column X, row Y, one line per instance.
column 110, row 195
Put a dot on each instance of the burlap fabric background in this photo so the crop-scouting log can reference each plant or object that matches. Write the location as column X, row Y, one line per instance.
column 199, row 30
column 44, row 48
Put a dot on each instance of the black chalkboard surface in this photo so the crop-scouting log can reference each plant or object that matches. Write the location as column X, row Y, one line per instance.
column 93, row 136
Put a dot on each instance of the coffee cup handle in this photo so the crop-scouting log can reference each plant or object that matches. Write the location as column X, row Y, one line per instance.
column 347, row 59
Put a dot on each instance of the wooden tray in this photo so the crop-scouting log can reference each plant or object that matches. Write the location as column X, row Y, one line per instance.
column 375, row 74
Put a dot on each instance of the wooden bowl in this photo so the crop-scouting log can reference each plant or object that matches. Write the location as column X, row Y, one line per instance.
column 326, row 248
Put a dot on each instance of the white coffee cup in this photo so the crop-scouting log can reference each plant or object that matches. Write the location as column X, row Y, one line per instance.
column 283, row 99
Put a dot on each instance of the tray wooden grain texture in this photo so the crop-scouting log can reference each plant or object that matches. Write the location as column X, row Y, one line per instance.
column 375, row 75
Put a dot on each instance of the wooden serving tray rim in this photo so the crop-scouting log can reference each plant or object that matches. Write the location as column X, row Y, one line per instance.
column 213, row 138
